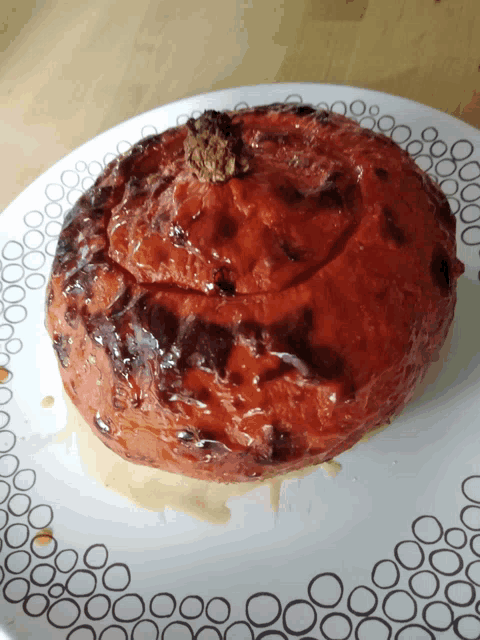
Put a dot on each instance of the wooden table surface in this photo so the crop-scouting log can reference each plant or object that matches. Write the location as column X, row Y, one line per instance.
column 70, row 70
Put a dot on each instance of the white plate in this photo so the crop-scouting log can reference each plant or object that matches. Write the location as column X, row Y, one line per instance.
column 411, row 491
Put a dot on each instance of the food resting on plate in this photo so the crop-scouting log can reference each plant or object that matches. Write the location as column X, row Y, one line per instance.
column 251, row 292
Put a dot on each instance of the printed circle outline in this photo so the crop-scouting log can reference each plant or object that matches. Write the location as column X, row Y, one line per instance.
column 464, row 511
column 397, row 578
column 431, row 604
column 179, row 622
column 30, row 597
column 197, row 615
column 429, row 517
column 462, row 157
column 338, row 615
column 449, row 551
column 114, row 626
column 82, row 626
column 384, row 622
column 72, row 576
column 263, row 625
column 416, row 593
column 13, row 553
column 59, row 555
column 70, row 624
column 303, row 631
column 12, row 600
column 366, row 613
column 156, row 627
column 321, row 575
column 390, row 595
column 9, row 528
column 98, row 596
column 42, row 526
column 456, row 624
column 117, row 603
column 413, row 626
column 158, row 595
column 89, row 550
column 404, row 566
column 465, row 539
column 42, row 584
column 129, row 576
column 209, row 617
column 457, row 604
column 36, row 551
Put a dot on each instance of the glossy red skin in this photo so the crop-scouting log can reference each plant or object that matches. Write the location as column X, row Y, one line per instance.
column 340, row 300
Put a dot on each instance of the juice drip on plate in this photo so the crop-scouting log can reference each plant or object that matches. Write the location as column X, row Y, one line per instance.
column 156, row 490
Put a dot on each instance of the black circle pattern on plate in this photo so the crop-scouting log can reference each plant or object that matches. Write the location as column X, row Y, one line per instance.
column 325, row 590
column 385, row 574
column 339, row 623
column 117, row 577
column 98, row 606
column 438, row 615
column 191, row 607
column 409, row 554
column 399, row 606
column 460, row 593
column 263, row 609
column 365, row 608
column 373, row 627
column 296, row 621
column 35, row 605
column 456, row 538
column 82, row 632
column 446, row 562
column 427, row 529
column 218, row 610
column 163, row 605
column 96, row 556
column 424, row 584
column 460, row 632
column 458, row 174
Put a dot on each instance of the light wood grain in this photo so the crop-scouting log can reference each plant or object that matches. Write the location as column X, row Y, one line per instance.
column 70, row 70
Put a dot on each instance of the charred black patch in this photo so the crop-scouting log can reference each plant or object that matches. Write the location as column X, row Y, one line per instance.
column 65, row 250
column 227, row 227
column 292, row 336
column 186, row 435
column 328, row 196
column 276, row 372
column 382, row 174
column 224, row 282
column 79, row 283
column 303, row 110
column 72, row 317
column 322, row 116
column 235, row 378
column 290, row 194
column 62, row 348
column 279, row 445
column 205, row 346
column 445, row 215
column 162, row 324
column 294, row 254
column 440, row 270
column 178, row 236
column 391, row 230
column 161, row 186
column 122, row 303
column 50, row 295
column 99, row 196
column 272, row 136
